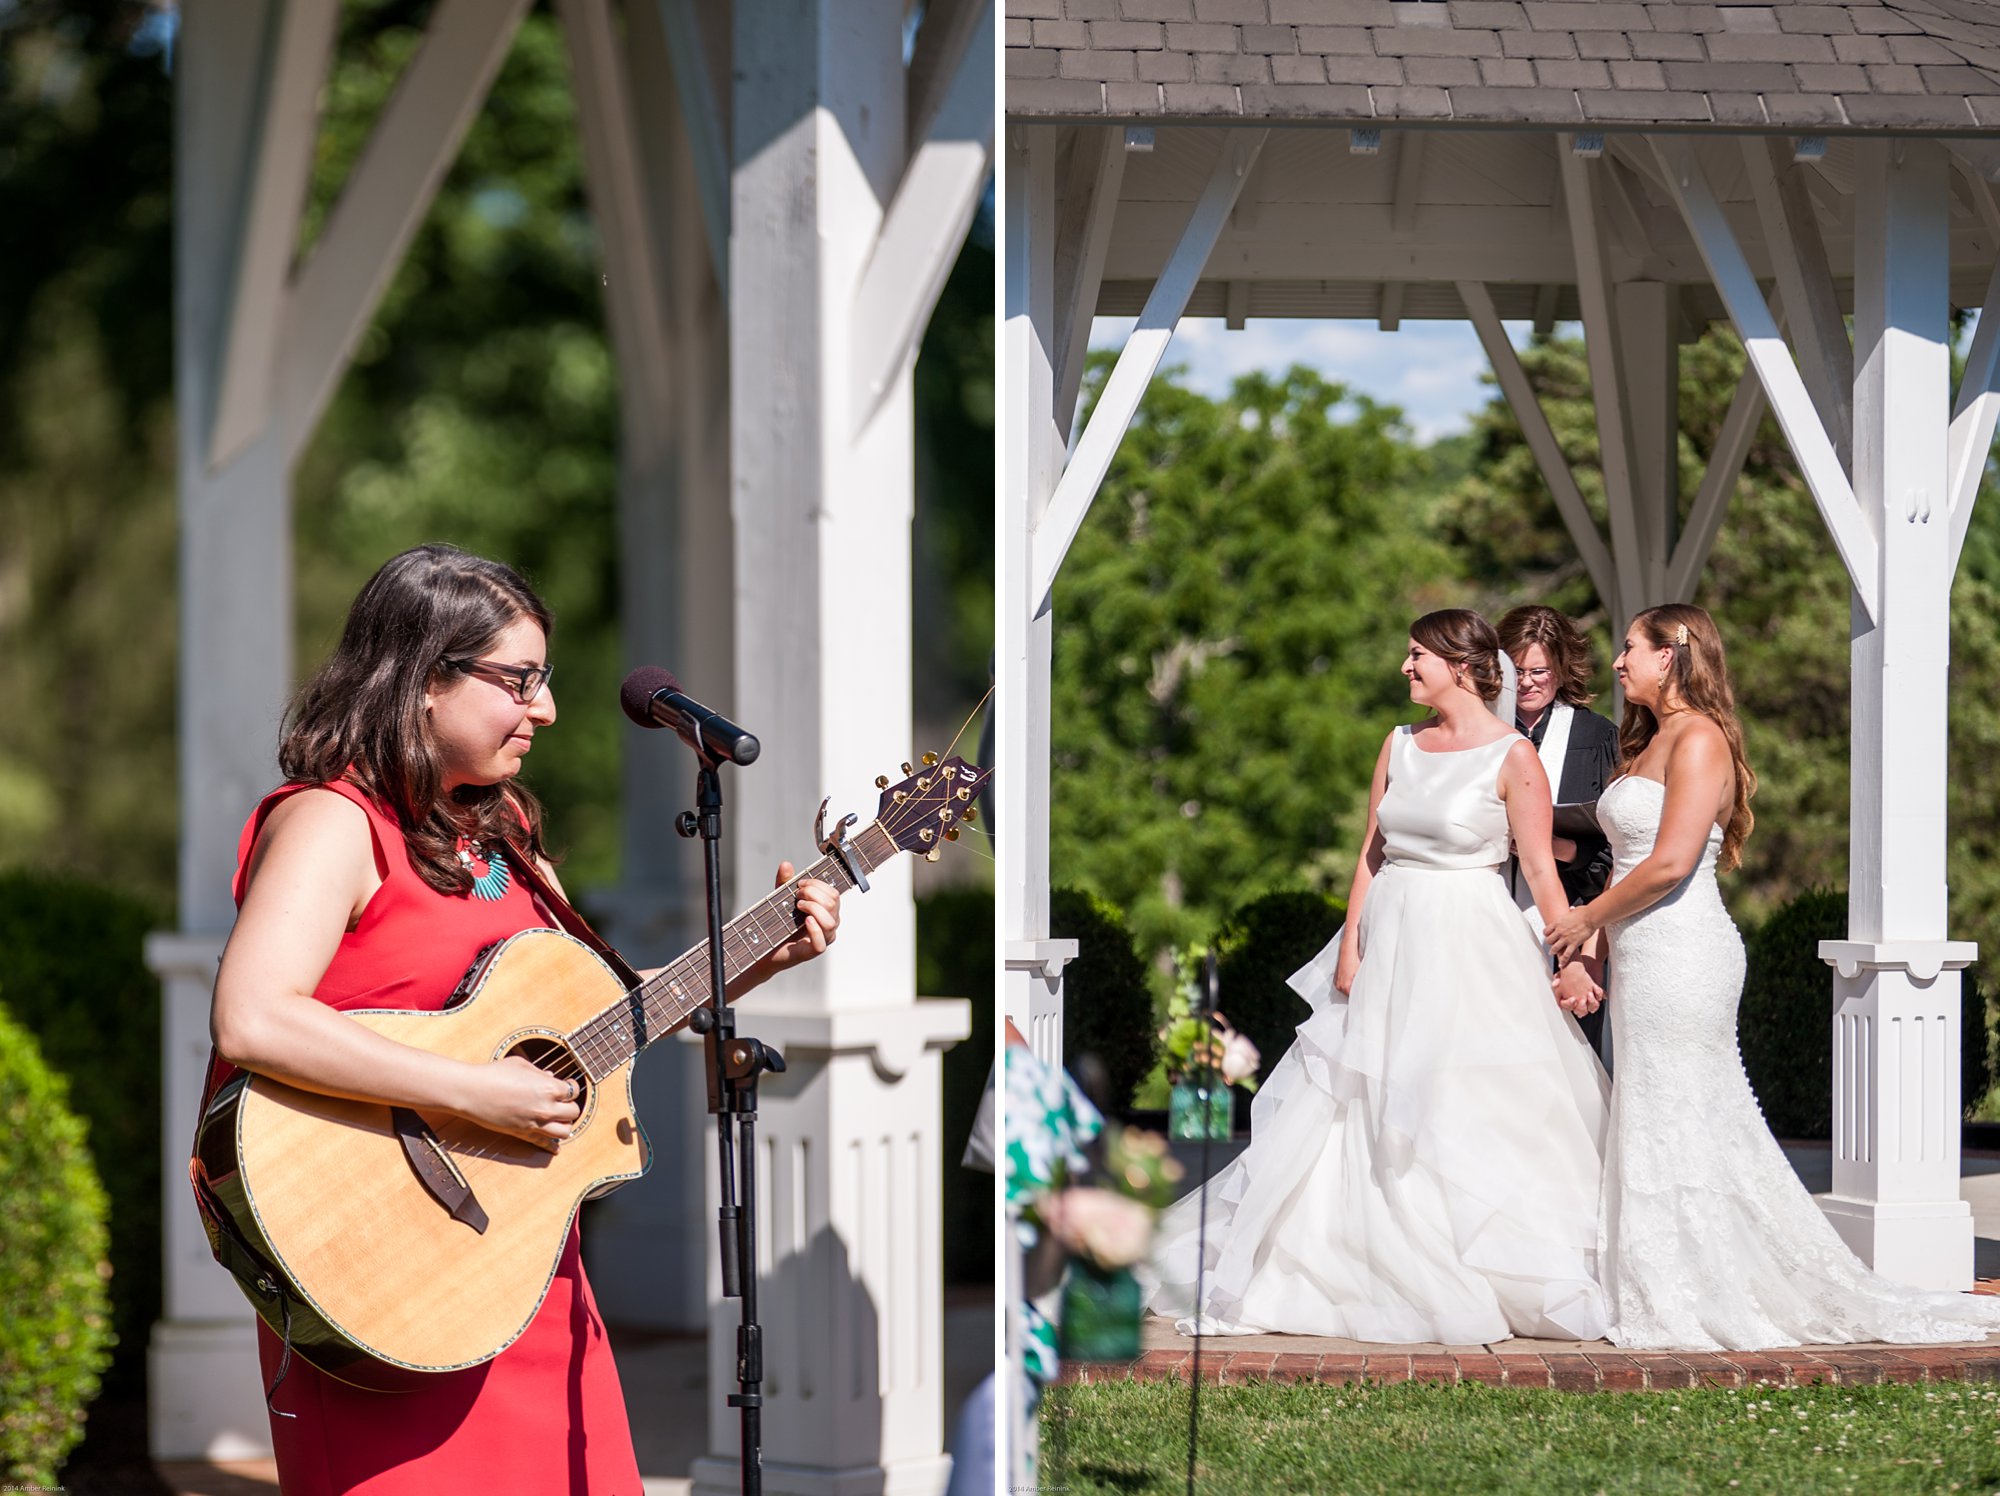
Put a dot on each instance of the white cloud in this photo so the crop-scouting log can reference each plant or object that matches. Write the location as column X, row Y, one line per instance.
column 1433, row 370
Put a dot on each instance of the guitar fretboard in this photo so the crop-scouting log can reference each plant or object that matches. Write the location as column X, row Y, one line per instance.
column 658, row 1007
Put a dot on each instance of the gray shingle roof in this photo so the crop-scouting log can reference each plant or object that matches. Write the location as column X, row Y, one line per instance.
column 1799, row 65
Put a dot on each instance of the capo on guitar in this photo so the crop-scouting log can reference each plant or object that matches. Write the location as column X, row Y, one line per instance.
column 835, row 846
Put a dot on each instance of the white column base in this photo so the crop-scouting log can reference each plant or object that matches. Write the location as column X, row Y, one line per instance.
column 1927, row 1245
column 714, row 1476
column 1896, row 1109
column 205, row 1395
column 849, row 1163
column 1034, row 993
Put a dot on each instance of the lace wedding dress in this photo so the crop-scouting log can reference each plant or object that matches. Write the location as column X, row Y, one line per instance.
column 1709, row 1241
column 1425, row 1160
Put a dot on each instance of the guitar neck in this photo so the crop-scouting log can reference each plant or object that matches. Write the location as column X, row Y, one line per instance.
column 663, row 1004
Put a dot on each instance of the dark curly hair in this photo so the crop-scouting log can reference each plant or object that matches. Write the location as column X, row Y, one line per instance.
column 1464, row 641
column 361, row 717
column 1564, row 643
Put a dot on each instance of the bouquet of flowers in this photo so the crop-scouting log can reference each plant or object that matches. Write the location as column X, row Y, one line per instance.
column 1205, row 1057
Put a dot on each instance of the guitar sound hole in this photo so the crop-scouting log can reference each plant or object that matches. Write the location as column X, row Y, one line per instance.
column 558, row 1061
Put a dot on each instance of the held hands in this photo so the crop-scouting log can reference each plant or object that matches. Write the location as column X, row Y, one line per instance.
column 1567, row 933
column 1578, row 989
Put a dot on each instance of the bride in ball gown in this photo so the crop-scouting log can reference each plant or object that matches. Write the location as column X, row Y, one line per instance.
column 1709, row 1240
column 1424, row 1162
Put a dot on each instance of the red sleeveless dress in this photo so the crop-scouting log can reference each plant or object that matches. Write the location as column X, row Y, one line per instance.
column 545, row 1417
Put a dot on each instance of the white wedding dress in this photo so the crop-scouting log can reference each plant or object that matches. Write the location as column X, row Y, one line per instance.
column 1425, row 1160
column 1709, row 1240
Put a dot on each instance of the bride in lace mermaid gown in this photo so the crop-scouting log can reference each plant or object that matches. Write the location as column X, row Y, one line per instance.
column 1709, row 1241
column 1424, row 1161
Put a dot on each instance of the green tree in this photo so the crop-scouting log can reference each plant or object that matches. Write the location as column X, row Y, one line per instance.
column 1229, row 623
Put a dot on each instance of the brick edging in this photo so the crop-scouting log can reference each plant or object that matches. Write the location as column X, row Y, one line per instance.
column 1589, row 1371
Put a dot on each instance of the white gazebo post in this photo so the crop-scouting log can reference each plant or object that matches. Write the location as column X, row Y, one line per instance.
column 238, row 184
column 1896, row 998
column 854, row 178
column 261, row 344
column 643, row 100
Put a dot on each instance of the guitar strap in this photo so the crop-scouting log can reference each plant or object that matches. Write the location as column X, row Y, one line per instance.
column 556, row 907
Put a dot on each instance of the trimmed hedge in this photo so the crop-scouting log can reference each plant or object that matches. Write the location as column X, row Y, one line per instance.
column 1107, row 1009
column 55, row 1320
column 76, row 979
column 1258, row 946
column 1785, row 1025
column 955, row 959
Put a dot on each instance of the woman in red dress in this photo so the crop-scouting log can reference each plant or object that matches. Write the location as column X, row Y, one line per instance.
column 372, row 879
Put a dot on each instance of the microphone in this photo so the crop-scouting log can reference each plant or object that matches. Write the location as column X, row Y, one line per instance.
column 653, row 698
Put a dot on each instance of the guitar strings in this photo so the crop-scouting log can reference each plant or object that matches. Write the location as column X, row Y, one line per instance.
column 487, row 1146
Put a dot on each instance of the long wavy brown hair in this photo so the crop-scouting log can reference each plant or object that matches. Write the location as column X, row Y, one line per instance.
column 1561, row 640
column 361, row 717
column 1699, row 678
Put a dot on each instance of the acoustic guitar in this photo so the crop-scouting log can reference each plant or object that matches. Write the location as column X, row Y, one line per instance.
column 384, row 1244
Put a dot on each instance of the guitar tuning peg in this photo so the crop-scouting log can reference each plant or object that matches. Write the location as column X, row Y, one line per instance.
column 951, row 834
column 969, row 814
column 906, row 767
column 881, row 781
column 929, row 759
column 933, row 854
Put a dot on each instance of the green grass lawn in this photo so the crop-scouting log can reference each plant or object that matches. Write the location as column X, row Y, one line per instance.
column 1268, row 1437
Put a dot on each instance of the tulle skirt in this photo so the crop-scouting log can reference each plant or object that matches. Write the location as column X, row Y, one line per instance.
column 1425, row 1160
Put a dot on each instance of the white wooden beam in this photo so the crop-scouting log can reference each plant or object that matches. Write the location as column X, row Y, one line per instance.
column 1812, row 309
column 1140, row 357
column 707, row 125
column 1648, row 320
column 1085, row 214
column 1236, row 305
column 635, row 282
column 411, row 147
column 1718, row 482
column 1389, row 316
column 947, row 30
column 1513, row 379
column 1771, row 357
column 293, row 66
column 1545, row 308
column 924, row 227
column 1601, row 346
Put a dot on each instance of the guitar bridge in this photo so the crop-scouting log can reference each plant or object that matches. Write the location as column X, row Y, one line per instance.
column 435, row 1171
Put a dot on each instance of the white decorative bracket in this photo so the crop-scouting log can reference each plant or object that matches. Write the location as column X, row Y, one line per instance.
column 1047, row 957
column 1922, row 959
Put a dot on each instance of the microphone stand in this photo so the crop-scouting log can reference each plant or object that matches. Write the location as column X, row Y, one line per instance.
column 734, row 1063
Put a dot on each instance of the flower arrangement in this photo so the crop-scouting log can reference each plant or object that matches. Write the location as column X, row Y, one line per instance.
column 1202, row 1049
column 1108, row 1222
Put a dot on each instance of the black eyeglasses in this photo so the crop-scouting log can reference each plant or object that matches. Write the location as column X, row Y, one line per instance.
column 526, row 680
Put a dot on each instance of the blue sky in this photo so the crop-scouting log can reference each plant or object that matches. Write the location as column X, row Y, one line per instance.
column 1433, row 370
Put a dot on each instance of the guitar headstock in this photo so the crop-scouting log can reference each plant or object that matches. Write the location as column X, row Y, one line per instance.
column 923, row 811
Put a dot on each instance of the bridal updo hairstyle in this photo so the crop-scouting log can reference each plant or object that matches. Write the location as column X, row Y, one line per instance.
column 1561, row 640
column 361, row 717
column 1467, row 643
column 1699, row 679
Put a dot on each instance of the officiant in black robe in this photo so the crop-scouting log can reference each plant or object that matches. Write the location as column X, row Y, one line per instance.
column 1579, row 751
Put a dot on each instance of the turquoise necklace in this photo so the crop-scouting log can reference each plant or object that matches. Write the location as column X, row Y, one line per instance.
column 491, row 884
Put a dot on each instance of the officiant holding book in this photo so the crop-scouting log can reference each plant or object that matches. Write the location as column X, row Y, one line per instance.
column 1579, row 752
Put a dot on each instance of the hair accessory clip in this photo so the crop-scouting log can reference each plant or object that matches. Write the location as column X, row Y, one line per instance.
column 1680, row 633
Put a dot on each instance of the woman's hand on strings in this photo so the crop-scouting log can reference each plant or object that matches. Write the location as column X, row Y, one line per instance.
column 516, row 1096
column 818, row 907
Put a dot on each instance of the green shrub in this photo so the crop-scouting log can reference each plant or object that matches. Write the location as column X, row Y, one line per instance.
column 1785, row 1025
column 77, row 980
column 1260, row 945
column 955, row 959
column 55, row 1329
column 1107, row 1010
